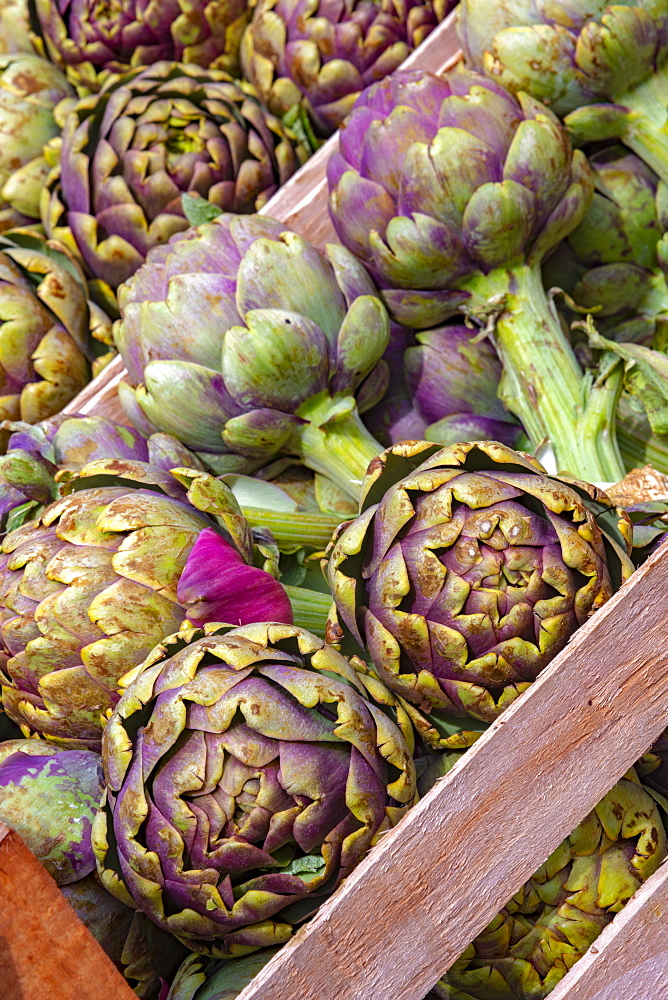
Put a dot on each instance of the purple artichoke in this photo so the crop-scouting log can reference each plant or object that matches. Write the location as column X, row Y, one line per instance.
column 576, row 54
column 50, row 798
column 321, row 54
column 106, row 572
column 469, row 568
column 289, row 348
column 88, row 40
column 246, row 776
column 131, row 151
column 452, row 192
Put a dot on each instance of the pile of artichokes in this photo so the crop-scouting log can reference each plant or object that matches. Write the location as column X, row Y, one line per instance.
column 351, row 499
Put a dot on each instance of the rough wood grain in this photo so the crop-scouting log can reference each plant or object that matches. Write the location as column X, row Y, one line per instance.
column 435, row 881
column 301, row 204
column 630, row 958
column 46, row 953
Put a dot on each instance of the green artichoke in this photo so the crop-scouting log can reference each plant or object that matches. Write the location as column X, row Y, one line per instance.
column 105, row 573
column 130, row 152
column 576, row 54
column 89, row 40
column 200, row 979
column 468, row 569
column 321, row 54
column 53, row 336
column 452, row 192
column 246, row 776
column 289, row 348
column 30, row 88
column 50, row 798
column 14, row 27
column 554, row 918
column 615, row 262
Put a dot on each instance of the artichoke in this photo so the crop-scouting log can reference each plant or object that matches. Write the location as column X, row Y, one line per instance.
column 30, row 88
column 292, row 342
column 551, row 922
column 200, row 979
column 452, row 192
column 88, row 40
column 50, row 798
column 131, row 151
column 469, row 568
column 105, row 573
column 53, row 337
column 35, row 453
column 448, row 391
column 615, row 261
column 246, row 776
column 14, row 27
column 321, row 54
column 575, row 55
column 144, row 954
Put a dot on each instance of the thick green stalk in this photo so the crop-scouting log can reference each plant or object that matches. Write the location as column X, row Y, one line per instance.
column 309, row 608
column 334, row 441
column 543, row 383
column 294, row 528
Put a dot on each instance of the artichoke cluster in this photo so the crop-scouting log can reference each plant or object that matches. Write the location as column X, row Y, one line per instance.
column 362, row 494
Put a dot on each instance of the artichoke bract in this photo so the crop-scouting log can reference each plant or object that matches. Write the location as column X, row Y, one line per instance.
column 53, row 336
column 615, row 261
column 50, row 798
column 89, row 40
column 575, row 55
column 268, row 343
column 469, row 568
column 106, row 572
column 449, row 393
column 131, row 151
column 246, row 776
column 452, row 192
column 551, row 922
column 321, row 54
column 198, row 978
column 30, row 88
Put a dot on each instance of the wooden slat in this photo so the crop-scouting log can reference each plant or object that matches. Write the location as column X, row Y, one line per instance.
column 629, row 961
column 46, row 953
column 434, row 882
column 301, row 204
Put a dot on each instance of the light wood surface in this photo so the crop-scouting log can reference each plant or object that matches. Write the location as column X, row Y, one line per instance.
column 46, row 953
column 434, row 882
column 629, row 961
column 301, row 204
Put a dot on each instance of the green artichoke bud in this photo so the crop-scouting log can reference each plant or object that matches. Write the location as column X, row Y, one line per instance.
column 452, row 192
column 50, row 798
column 295, row 338
column 53, row 337
column 321, row 54
column 200, row 979
column 14, row 27
column 615, row 261
column 131, row 151
column 30, row 88
column 246, row 776
column 575, row 55
column 105, row 573
column 551, row 922
column 144, row 954
column 469, row 568
column 89, row 40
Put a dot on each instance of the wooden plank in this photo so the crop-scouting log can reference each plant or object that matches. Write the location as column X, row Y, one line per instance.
column 630, row 958
column 46, row 953
column 436, row 880
column 301, row 204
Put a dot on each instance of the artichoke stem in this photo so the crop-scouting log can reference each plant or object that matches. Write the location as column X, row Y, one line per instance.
column 294, row 529
column 543, row 383
column 334, row 441
column 309, row 608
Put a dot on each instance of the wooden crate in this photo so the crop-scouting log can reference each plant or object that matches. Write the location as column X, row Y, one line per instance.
column 408, row 911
